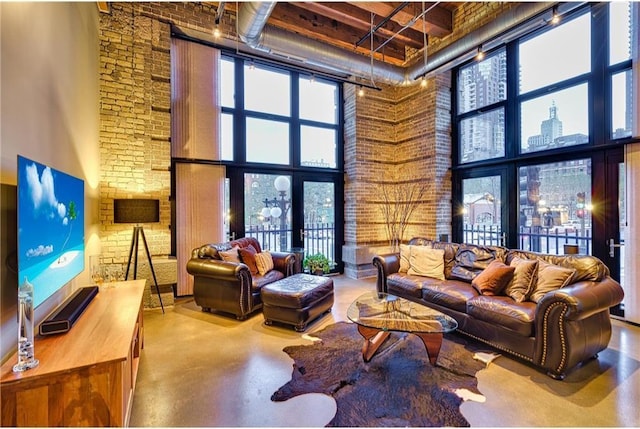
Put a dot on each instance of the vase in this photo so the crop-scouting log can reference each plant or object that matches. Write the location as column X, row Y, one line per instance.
column 26, row 354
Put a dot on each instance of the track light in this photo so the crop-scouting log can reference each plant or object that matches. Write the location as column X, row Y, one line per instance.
column 480, row 55
column 555, row 17
column 423, row 82
column 361, row 92
column 216, row 32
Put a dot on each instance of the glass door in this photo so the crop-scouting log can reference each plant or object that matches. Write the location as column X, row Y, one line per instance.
column 555, row 210
column 317, row 219
column 287, row 213
column 267, row 210
column 482, row 210
column 610, row 226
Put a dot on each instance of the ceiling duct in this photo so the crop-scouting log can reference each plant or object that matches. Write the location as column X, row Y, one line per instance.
column 252, row 17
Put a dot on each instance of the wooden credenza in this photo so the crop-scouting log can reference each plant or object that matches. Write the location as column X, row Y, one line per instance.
column 86, row 376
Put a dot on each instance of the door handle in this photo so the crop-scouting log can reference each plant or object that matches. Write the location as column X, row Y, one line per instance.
column 612, row 247
column 302, row 234
column 232, row 236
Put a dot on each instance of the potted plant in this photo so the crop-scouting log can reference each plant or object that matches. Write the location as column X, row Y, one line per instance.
column 317, row 264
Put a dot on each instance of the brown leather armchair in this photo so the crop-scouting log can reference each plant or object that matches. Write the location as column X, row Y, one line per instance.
column 229, row 286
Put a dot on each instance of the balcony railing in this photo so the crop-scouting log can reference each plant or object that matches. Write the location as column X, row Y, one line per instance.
column 532, row 238
column 318, row 238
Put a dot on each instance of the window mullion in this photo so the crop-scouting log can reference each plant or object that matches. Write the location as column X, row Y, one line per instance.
column 599, row 85
column 512, row 110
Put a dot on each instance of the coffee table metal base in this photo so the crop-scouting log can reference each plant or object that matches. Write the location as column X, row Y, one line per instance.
column 373, row 339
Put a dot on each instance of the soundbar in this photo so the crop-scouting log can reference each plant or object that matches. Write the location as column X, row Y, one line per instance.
column 63, row 319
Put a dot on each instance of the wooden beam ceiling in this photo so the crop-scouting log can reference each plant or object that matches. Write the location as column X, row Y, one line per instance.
column 345, row 24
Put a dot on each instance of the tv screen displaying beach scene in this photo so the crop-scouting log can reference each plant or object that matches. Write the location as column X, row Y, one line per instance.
column 50, row 227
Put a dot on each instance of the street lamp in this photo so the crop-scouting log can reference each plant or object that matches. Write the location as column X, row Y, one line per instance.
column 278, row 207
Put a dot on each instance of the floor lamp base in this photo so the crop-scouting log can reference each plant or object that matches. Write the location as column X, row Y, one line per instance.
column 135, row 239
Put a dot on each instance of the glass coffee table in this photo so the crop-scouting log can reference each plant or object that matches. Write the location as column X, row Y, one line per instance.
column 377, row 314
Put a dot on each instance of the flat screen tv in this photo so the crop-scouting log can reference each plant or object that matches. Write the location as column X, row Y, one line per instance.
column 50, row 227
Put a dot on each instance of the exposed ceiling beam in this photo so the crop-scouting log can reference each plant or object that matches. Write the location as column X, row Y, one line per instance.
column 309, row 21
column 439, row 21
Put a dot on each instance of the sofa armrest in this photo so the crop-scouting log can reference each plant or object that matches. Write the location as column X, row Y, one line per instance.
column 585, row 298
column 216, row 269
column 284, row 262
column 385, row 264
column 573, row 323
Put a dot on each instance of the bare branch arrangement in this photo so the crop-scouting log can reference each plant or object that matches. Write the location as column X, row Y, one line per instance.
column 400, row 201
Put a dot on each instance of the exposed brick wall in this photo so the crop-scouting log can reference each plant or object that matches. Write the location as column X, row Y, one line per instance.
column 396, row 129
column 135, row 132
column 399, row 136
column 468, row 17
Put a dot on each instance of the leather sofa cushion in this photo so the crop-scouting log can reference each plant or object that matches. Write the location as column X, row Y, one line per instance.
column 453, row 294
column 471, row 259
column 504, row 311
column 449, row 293
column 257, row 282
column 403, row 284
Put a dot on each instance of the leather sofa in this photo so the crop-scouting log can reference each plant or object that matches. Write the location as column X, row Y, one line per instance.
column 230, row 286
column 564, row 328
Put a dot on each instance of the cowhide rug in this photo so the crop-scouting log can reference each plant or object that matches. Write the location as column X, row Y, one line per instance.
column 398, row 387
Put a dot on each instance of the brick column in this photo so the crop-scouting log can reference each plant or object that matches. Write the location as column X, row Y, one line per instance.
column 402, row 133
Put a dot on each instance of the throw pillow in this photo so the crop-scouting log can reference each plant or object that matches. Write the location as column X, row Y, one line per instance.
column 248, row 257
column 524, row 278
column 550, row 277
column 427, row 262
column 493, row 279
column 264, row 262
column 405, row 253
column 230, row 255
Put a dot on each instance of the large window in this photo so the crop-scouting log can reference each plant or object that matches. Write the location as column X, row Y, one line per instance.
column 482, row 84
column 555, row 206
column 541, row 110
column 281, row 133
column 261, row 123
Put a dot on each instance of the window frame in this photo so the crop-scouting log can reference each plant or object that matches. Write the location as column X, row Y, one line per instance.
column 599, row 96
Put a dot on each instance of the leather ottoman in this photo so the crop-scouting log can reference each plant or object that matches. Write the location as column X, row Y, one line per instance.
column 297, row 300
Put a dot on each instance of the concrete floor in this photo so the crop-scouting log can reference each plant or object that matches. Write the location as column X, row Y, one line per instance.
column 202, row 369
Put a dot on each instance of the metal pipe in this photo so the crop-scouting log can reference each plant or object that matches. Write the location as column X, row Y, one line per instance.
column 252, row 17
column 409, row 24
column 381, row 23
column 291, row 47
column 219, row 12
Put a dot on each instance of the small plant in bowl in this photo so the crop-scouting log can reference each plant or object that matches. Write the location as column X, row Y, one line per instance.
column 316, row 264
